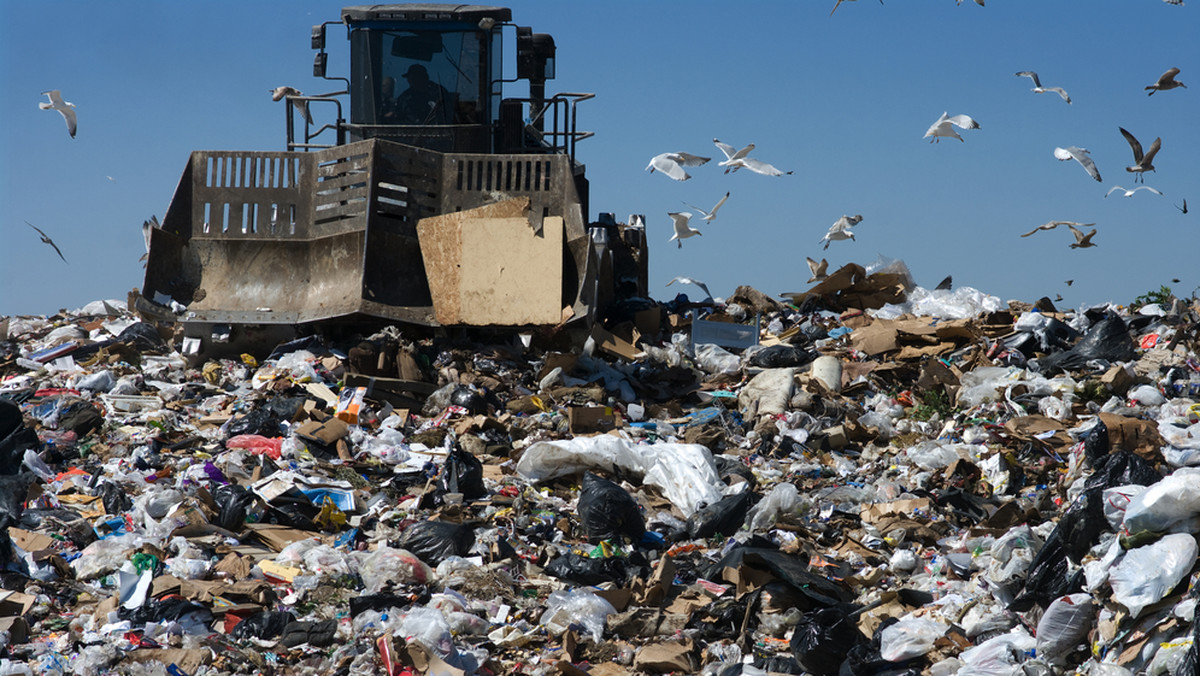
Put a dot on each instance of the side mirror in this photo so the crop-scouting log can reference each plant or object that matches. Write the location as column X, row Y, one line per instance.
column 319, row 64
column 318, row 37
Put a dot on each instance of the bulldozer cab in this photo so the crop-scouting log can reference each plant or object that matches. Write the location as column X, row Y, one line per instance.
column 438, row 202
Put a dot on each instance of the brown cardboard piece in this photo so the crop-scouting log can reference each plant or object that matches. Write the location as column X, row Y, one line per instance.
column 325, row 432
column 613, row 345
column 1135, row 435
column 586, row 419
column 667, row 657
column 491, row 266
column 30, row 541
column 277, row 537
column 187, row 660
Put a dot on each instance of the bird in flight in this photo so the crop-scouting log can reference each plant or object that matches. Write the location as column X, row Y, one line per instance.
column 672, row 164
column 1081, row 156
column 695, row 282
column 1183, row 208
column 943, row 129
column 835, row 5
column 1054, row 224
column 1038, row 88
column 1129, row 193
column 817, row 270
column 1142, row 163
column 1082, row 241
column 737, row 159
column 682, row 229
column 709, row 215
column 840, row 230
column 1166, row 81
column 278, row 93
column 47, row 240
column 65, row 108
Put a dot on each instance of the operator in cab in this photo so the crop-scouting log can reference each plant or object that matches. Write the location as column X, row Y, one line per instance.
column 424, row 102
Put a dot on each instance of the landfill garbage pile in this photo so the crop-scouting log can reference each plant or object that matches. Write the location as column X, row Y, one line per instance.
column 881, row 479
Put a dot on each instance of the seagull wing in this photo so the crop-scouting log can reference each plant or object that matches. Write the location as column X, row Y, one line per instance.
column 743, row 152
column 963, row 122
column 302, row 106
column 1145, row 187
column 1148, row 160
column 1116, row 188
column 1061, row 92
column 671, row 168
column 69, row 115
column 688, row 159
column 1077, row 232
column 1133, row 143
column 760, row 167
column 934, row 127
column 1045, row 226
column 1080, row 155
column 713, row 214
column 1168, row 77
column 726, row 148
column 1032, row 76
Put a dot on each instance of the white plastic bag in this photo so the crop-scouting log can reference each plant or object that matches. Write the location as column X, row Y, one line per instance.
column 910, row 637
column 1176, row 498
column 564, row 608
column 1147, row 574
column 1064, row 624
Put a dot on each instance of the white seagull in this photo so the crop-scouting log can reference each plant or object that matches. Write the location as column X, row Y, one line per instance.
column 695, row 282
column 66, row 108
column 672, row 164
column 1080, row 155
column 840, row 230
column 682, row 229
column 278, row 93
column 817, row 269
column 1129, row 193
column 1054, row 224
column 1142, row 163
column 1039, row 89
column 943, row 128
column 737, row 159
column 709, row 215
column 1166, row 81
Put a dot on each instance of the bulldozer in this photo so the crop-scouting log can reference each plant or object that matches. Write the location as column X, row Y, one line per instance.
column 447, row 205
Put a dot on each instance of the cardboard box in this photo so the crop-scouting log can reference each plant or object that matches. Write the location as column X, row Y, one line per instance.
column 585, row 419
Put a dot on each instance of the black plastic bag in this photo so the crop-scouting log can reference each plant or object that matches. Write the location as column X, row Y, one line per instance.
column 436, row 541
column 724, row 517
column 261, row 421
column 790, row 568
column 781, row 356
column 143, row 337
column 62, row 521
column 317, row 634
column 583, row 570
column 1107, row 340
column 381, row 602
column 728, row 468
column 1095, row 443
column 607, row 511
column 80, row 417
column 234, row 502
column 463, row 473
column 115, row 498
column 171, row 608
column 267, row 624
column 466, row 397
column 823, row 638
column 15, row 438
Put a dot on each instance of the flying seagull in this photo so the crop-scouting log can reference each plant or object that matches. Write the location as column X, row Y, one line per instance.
column 682, row 229
column 278, row 93
column 709, row 215
column 1129, row 193
column 1082, row 241
column 695, row 282
column 1184, row 207
column 817, row 269
column 47, row 240
column 943, row 128
column 672, row 164
column 835, row 5
column 1166, row 81
column 1081, row 156
column 66, row 108
column 840, row 230
column 977, row 2
column 1142, row 163
column 1038, row 88
column 737, row 159
column 1054, row 224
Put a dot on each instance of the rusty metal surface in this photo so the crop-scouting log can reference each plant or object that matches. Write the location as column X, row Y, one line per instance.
column 289, row 237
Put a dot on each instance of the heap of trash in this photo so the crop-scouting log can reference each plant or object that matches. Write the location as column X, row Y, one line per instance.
column 865, row 478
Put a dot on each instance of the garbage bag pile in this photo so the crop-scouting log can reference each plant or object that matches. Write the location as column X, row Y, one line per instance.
column 884, row 482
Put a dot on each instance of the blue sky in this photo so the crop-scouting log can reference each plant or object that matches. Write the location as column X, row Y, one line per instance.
column 842, row 100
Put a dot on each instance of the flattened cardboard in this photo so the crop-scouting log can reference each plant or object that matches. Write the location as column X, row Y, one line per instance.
column 662, row 658
column 585, row 419
column 606, row 341
column 488, row 266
